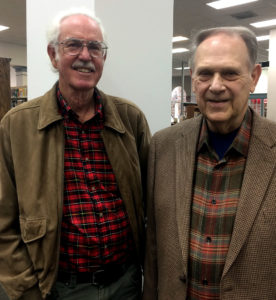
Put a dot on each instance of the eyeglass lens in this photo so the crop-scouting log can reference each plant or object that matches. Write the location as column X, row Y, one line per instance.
column 74, row 47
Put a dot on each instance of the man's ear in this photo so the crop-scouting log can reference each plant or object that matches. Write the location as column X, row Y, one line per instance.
column 255, row 75
column 52, row 54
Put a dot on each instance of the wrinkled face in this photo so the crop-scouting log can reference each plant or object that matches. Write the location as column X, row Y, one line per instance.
column 222, row 81
column 80, row 72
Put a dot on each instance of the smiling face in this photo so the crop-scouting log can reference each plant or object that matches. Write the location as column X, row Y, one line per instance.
column 81, row 72
column 222, row 80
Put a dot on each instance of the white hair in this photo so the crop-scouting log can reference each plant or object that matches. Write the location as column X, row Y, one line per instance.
column 53, row 30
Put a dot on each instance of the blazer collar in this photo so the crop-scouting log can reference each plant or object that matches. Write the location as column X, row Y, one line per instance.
column 185, row 151
column 260, row 167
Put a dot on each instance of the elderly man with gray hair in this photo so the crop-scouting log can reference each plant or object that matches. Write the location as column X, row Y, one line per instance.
column 212, row 184
column 72, row 173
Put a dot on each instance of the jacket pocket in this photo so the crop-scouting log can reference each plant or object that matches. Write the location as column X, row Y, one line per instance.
column 32, row 229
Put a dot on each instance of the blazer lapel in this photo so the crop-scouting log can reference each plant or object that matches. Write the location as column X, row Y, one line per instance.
column 185, row 148
column 259, row 168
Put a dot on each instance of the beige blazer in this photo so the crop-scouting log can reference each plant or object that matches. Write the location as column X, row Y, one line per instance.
column 250, row 268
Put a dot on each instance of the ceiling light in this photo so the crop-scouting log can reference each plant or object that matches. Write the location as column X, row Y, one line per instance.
column 179, row 50
column 2, row 27
column 180, row 68
column 264, row 23
column 179, row 38
column 228, row 3
column 262, row 38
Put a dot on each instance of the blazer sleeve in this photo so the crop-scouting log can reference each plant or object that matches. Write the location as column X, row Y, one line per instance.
column 150, row 267
column 16, row 271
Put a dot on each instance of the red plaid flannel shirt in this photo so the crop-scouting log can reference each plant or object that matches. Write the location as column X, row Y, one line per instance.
column 95, row 228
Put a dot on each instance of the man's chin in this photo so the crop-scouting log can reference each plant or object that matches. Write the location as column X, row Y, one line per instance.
column 83, row 86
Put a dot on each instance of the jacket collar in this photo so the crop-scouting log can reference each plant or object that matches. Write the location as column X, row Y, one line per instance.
column 112, row 117
column 49, row 113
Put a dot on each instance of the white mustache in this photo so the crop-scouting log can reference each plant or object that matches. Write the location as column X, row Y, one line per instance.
column 84, row 64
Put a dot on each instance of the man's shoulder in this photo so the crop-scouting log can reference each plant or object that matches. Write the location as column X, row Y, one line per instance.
column 120, row 103
column 26, row 109
column 23, row 108
column 261, row 123
column 187, row 127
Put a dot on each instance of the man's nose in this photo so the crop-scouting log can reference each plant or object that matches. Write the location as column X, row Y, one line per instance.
column 217, row 83
column 84, row 54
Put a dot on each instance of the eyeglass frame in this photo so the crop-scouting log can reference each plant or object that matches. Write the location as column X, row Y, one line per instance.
column 84, row 43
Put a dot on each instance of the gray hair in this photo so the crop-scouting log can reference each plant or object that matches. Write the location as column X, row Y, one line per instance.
column 54, row 28
column 246, row 34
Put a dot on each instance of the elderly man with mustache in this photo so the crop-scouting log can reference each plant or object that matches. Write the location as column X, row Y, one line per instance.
column 73, row 165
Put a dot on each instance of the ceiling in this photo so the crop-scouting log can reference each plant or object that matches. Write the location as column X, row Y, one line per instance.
column 13, row 14
column 189, row 16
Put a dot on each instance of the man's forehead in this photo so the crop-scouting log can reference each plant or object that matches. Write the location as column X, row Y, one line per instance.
column 78, row 25
column 221, row 46
column 78, row 21
column 217, row 38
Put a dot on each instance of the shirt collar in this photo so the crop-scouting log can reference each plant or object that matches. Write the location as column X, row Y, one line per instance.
column 67, row 112
column 241, row 141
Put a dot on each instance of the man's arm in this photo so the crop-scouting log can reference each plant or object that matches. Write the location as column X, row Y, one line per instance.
column 16, row 269
column 144, row 138
column 150, row 283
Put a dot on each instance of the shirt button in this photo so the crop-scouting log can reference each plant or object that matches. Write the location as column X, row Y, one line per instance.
column 86, row 158
column 83, row 132
column 205, row 282
column 214, row 201
column 93, row 188
column 101, row 215
column 105, row 246
column 208, row 239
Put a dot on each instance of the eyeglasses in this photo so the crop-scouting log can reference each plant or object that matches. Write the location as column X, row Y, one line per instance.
column 74, row 47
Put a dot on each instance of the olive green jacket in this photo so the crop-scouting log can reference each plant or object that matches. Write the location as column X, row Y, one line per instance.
column 31, row 186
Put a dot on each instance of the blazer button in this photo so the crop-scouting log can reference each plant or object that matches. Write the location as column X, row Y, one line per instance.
column 182, row 278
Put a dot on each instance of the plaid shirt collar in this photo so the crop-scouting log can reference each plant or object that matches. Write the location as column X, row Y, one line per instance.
column 241, row 141
column 67, row 112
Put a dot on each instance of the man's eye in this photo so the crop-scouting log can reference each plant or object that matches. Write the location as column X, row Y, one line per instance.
column 204, row 75
column 94, row 46
column 73, row 44
column 230, row 75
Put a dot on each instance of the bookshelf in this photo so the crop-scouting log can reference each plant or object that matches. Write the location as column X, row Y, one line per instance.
column 5, row 92
column 18, row 95
column 259, row 103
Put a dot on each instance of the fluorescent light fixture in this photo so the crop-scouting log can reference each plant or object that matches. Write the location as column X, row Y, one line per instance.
column 2, row 27
column 228, row 3
column 262, row 38
column 179, row 50
column 264, row 23
column 179, row 38
column 180, row 68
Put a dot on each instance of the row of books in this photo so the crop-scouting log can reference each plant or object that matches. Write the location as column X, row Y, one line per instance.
column 19, row 92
